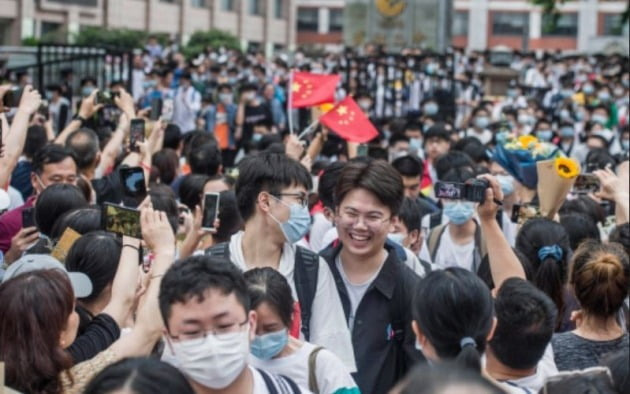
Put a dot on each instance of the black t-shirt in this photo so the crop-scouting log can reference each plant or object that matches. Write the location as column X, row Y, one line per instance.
column 94, row 337
column 253, row 115
column 108, row 188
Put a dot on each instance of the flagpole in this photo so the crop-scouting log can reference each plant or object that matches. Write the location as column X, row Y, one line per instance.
column 290, row 101
column 309, row 129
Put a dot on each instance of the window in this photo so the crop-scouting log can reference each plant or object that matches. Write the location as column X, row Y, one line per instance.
column 460, row 23
column 255, row 7
column 510, row 23
column 307, row 19
column 198, row 3
column 227, row 5
column 613, row 27
column 566, row 25
column 336, row 20
column 278, row 9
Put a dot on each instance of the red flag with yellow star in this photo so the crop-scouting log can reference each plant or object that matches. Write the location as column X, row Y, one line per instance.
column 347, row 120
column 311, row 89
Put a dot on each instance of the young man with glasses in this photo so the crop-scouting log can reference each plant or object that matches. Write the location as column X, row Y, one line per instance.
column 376, row 289
column 271, row 193
column 209, row 327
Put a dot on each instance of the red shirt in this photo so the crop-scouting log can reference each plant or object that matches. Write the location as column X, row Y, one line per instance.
column 11, row 224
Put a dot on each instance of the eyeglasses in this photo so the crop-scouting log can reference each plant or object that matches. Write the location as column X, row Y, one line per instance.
column 352, row 217
column 199, row 337
column 301, row 197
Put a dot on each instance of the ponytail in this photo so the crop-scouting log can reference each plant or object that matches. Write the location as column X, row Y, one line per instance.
column 469, row 356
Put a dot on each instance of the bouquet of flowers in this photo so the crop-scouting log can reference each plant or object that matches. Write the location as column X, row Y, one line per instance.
column 519, row 155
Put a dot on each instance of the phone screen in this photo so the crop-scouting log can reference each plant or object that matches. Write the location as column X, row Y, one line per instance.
column 210, row 210
column 121, row 220
column 12, row 97
column 28, row 217
column 156, row 109
column 136, row 134
column 133, row 181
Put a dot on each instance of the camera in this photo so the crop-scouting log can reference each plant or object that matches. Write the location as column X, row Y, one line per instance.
column 106, row 97
column 472, row 190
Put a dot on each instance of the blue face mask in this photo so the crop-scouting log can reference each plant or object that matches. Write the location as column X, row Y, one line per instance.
column 507, row 184
column 625, row 144
column 482, row 122
column 415, row 144
column 296, row 227
column 512, row 93
column 396, row 238
column 86, row 91
column 600, row 119
column 603, row 96
column 431, row 109
column 567, row 132
column 544, row 135
column 266, row 347
column 256, row 137
column 502, row 137
column 588, row 89
column 460, row 212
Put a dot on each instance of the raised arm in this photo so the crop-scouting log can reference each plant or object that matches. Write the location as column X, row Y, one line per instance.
column 503, row 261
column 86, row 111
column 615, row 188
column 15, row 137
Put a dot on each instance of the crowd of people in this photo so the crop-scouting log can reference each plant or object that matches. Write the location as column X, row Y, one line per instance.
column 328, row 266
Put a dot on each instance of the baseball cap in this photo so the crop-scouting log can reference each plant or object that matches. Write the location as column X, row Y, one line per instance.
column 81, row 283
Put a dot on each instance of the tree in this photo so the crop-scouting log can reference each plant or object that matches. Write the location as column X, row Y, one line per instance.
column 122, row 39
column 550, row 7
column 200, row 40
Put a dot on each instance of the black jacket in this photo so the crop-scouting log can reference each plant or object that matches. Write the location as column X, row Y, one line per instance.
column 383, row 341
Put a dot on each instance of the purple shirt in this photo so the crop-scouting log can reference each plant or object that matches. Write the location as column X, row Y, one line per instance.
column 11, row 224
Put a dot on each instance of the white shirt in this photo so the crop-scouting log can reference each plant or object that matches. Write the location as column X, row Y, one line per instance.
column 546, row 367
column 356, row 291
column 485, row 136
column 259, row 383
column 450, row 254
column 331, row 374
column 328, row 321
column 330, row 236
column 185, row 107
column 319, row 228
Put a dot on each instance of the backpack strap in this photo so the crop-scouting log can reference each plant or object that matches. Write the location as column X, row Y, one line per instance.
column 278, row 384
column 221, row 250
column 434, row 240
column 435, row 219
column 426, row 266
column 481, row 248
column 271, row 386
column 305, row 278
column 312, row 370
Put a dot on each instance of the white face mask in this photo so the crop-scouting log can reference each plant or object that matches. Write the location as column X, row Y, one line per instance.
column 214, row 362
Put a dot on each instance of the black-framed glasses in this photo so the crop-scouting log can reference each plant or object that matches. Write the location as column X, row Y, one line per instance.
column 220, row 333
column 301, row 197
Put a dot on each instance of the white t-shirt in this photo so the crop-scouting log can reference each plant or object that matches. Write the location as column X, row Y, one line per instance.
column 356, row 291
column 261, row 388
column 546, row 367
column 319, row 228
column 328, row 321
column 329, row 237
column 331, row 374
column 450, row 254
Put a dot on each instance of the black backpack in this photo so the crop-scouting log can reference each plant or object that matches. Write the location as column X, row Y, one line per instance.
column 278, row 384
column 305, row 278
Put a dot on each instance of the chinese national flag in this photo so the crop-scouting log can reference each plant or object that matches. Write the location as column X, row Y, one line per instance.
column 347, row 120
column 312, row 89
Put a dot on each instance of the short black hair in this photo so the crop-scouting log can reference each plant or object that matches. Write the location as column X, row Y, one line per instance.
column 50, row 154
column 205, row 159
column 409, row 166
column 270, row 172
column 453, row 160
column 229, row 217
column 397, row 137
column 163, row 199
column 35, row 140
column 270, row 286
column 580, row 227
column 191, row 189
column 526, row 313
column 327, row 182
column 376, row 176
column 621, row 235
column 193, row 276
column 438, row 130
column 172, row 136
column 410, row 214
column 54, row 201
column 84, row 145
column 140, row 375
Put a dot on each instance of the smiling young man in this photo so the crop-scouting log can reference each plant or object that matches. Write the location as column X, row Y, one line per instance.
column 375, row 287
column 271, row 193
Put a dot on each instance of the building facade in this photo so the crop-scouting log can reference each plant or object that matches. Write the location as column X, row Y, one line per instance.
column 584, row 25
column 264, row 24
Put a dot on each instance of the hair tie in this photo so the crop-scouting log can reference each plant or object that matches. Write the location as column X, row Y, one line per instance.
column 467, row 341
column 554, row 251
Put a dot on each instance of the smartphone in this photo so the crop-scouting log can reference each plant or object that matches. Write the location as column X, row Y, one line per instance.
column 28, row 217
column 105, row 97
column 121, row 220
column 522, row 213
column 133, row 182
column 43, row 110
column 362, row 150
column 12, row 97
column 136, row 134
column 156, row 109
column 586, row 183
column 210, row 210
